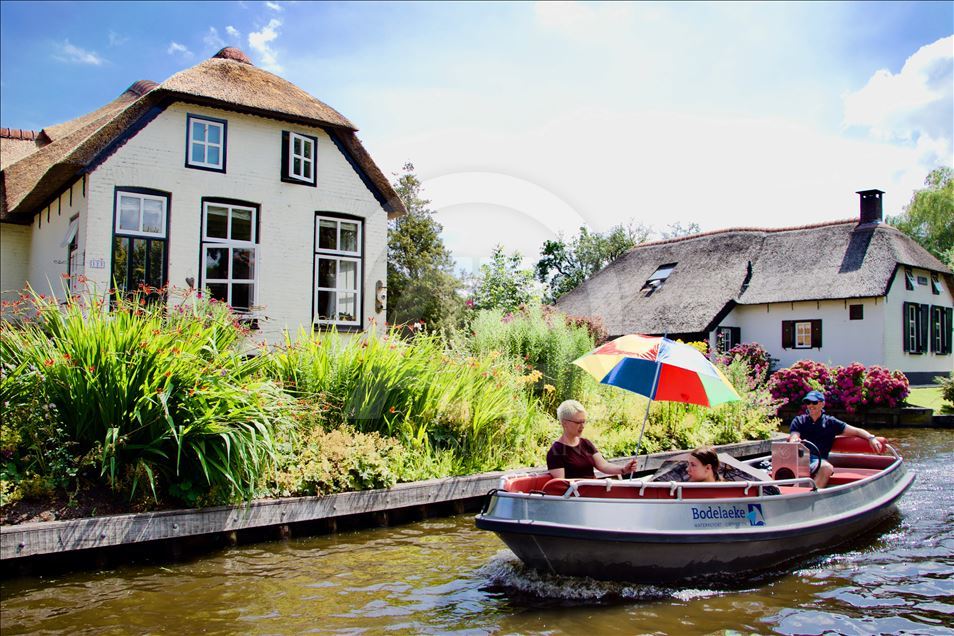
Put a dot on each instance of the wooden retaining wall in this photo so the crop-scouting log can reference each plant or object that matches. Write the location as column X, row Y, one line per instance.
column 445, row 496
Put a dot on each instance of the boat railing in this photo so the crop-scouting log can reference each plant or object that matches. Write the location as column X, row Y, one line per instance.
column 676, row 487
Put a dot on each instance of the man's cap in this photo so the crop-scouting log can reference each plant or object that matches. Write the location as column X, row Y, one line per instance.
column 814, row 396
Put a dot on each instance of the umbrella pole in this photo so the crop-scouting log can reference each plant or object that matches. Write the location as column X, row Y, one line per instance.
column 639, row 442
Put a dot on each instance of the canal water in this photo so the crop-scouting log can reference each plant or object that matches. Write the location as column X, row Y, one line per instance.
column 443, row 576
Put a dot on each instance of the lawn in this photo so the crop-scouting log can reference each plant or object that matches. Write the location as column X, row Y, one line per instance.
column 929, row 397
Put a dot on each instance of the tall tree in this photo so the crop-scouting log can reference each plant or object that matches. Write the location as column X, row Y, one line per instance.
column 502, row 283
column 565, row 265
column 421, row 283
column 677, row 229
column 929, row 217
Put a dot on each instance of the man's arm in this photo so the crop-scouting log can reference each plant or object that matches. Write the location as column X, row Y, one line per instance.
column 854, row 431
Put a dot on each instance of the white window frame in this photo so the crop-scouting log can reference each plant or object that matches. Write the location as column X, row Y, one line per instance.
column 339, row 256
column 803, row 334
column 215, row 242
column 140, row 232
column 191, row 120
column 306, row 159
column 911, row 328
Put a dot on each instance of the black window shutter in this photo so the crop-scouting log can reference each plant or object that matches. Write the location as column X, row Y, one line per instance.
column 936, row 345
column 923, row 311
column 947, row 329
column 816, row 334
column 788, row 334
column 905, row 327
column 285, row 152
column 735, row 336
column 908, row 279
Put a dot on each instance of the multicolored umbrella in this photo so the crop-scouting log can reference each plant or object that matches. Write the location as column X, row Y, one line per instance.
column 660, row 369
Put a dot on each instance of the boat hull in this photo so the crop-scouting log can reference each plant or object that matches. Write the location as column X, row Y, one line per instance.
column 664, row 540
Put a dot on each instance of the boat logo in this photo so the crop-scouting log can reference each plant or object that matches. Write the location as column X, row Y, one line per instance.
column 755, row 515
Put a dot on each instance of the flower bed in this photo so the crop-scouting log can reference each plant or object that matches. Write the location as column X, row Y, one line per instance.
column 852, row 388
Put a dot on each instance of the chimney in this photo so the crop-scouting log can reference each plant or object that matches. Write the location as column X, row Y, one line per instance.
column 871, row 211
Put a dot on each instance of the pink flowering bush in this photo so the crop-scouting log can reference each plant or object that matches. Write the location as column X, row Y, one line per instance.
column 884, row 388
column 846, row 387
column 793, row 383
column 852, row 388
column 756, row 358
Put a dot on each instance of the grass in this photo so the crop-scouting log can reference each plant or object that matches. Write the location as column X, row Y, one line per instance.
column 928, row 397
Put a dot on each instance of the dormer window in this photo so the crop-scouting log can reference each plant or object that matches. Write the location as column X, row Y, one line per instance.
column 909, row 281
column 206, row 143
column 298, row 158
column 659, row 277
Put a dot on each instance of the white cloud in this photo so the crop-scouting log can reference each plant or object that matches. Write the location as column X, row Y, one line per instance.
column 233, row 32
column 654, row 167
column 179, row 49
column 914, row 106
column 212, row 39
column 67, row 52
column 115, row 39
column 274, row 6
column 260, row 41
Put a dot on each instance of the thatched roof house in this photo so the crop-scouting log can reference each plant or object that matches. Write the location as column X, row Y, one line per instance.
column 689, row 287
column 224, row 178
column 227, row 80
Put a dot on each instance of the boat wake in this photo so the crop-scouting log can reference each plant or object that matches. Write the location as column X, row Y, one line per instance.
column 506, row 573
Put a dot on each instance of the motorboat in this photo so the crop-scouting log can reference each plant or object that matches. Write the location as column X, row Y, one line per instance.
column 650, row 530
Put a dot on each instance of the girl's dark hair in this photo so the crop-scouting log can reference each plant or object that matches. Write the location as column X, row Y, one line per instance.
column 708, row 457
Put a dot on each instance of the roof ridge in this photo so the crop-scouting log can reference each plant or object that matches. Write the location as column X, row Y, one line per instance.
column 764, row 230
column 18, row 133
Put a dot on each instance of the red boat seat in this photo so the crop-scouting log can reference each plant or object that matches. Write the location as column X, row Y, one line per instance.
column 848, row 475
column 556, row 486
column 845, row 444
column 526, row 483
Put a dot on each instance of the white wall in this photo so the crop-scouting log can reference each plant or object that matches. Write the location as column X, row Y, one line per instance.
column 897, row 358
column 154, row 158
column 843, row 341
column 47, row 257
column 876, row 339
column 15, row 243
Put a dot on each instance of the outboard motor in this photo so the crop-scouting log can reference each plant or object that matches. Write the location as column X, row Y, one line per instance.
column 790, row 460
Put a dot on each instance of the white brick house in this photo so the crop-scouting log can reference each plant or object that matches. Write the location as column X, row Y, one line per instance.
column 224, row 177
column 839, row 292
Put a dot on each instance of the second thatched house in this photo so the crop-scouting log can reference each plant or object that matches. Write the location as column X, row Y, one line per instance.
column 224, row 178
column 837, row 292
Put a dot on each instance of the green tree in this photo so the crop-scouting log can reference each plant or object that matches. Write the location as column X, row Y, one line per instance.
column 565, row 265
column 421, row 283
column 677, row 229
column 929, row 217
column 502, row 283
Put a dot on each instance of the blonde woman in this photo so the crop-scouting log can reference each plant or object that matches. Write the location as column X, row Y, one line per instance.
column 573, row 456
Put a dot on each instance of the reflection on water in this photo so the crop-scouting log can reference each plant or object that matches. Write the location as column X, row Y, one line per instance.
column 444, row 576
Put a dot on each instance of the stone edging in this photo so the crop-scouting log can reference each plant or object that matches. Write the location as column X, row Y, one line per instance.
column 49, row 537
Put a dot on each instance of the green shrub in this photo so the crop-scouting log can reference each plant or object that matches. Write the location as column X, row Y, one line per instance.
column 534, row 338
column 164, row 395
column 947, row 388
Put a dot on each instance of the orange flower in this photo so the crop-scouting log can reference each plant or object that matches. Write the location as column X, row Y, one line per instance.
column 48, row 362
column 392, row 410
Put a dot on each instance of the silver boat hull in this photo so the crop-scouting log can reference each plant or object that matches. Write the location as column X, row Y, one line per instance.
column 667, row 539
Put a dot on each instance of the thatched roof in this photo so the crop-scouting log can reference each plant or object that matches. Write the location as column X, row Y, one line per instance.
column 717, row 270
column 15, row 144
column 228, row 80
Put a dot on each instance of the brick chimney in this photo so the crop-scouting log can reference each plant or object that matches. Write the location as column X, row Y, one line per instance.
column 871, row 211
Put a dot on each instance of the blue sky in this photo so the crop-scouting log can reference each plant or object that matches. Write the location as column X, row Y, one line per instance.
column 526, row 120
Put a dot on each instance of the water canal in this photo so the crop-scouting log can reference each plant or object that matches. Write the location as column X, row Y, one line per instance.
column 442, row 576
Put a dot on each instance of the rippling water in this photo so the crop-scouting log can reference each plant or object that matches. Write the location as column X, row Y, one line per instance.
column 445, row 577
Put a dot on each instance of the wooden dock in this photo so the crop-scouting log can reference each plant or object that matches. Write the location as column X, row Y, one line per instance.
column 277, row 518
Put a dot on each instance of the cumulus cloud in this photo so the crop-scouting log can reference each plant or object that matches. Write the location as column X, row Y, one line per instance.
column 914, row 106
column 67, row 52
column 260, row 42
column 178, row 49
column 233, row 33
column 274, row 6
column 212, row 39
